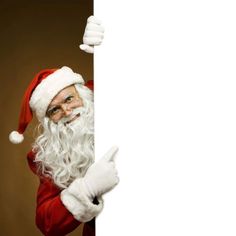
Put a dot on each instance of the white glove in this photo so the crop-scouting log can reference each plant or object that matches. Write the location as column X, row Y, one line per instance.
column 93, row 34
column 102, row 176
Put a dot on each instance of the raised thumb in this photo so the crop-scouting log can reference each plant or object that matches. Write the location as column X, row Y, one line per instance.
column 87, row 48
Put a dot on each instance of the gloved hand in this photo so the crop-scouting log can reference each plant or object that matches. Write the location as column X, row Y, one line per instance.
column 93, row 34
column 102, row 176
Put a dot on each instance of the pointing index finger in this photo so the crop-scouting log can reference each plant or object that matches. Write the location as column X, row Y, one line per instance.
column 110, row 155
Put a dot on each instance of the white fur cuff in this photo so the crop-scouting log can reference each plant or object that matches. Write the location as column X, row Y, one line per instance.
column 79, row 205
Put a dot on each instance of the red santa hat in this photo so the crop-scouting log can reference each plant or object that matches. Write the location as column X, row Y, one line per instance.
column 40, row 92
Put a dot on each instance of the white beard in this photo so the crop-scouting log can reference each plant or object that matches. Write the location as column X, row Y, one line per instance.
column 65, row 151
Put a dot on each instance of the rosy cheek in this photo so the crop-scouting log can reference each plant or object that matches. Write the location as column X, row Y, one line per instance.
column 56, row 119
column 81, row 103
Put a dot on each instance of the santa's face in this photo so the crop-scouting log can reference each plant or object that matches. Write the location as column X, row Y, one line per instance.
column 63, row 104
column 65, row 148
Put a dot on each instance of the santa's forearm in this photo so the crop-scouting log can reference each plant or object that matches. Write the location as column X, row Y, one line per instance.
column 52, row 217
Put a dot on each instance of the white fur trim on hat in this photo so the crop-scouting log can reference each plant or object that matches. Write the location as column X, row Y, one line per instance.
column 16, row 137
column 50, row 87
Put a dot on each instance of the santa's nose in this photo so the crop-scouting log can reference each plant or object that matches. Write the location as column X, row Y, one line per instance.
column 66, row 109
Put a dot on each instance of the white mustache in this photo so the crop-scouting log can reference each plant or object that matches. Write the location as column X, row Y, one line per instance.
column 76, row 112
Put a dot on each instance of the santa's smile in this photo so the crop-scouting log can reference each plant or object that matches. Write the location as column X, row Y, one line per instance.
column 74, row 118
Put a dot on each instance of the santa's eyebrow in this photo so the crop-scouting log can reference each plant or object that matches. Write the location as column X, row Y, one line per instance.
column 63, row 100
column 71, row 95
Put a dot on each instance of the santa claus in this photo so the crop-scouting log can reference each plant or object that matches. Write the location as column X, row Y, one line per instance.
column 71, row 182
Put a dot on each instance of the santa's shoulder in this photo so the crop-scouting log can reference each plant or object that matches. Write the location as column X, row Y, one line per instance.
column 89, row 84
column 31, row 161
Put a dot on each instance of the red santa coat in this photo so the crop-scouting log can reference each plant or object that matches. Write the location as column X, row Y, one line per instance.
column 52, row 217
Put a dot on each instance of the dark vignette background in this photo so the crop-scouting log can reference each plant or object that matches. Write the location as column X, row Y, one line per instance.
column 35, row 35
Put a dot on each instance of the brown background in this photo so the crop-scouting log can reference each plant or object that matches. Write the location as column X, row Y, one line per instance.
column 35, row 35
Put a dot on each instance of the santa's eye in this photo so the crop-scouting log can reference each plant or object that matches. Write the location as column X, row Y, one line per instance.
column 69, row 99
column 53, row 111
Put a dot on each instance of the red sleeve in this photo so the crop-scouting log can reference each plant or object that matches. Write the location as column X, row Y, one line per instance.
column 89, row 228
column 52, row 218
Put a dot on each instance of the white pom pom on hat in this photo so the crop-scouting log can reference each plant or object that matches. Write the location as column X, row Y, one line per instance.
column 16, row 137
column 40, row 92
